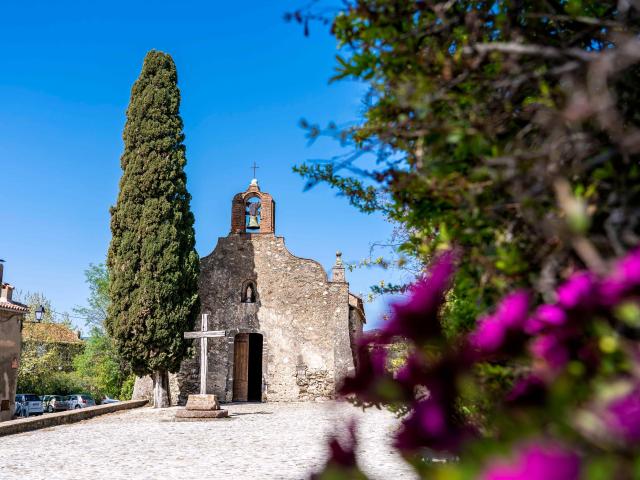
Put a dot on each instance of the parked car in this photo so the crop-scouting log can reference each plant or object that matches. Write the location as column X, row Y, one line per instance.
column 29, row 404
column 54, row 403
column 106, row 400
column 79, row 401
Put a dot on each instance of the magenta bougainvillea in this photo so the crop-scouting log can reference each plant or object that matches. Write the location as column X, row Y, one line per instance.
column 536, row 462
column 570, row 410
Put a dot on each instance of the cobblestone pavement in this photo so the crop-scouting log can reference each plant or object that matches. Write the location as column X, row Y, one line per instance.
column 268, row 440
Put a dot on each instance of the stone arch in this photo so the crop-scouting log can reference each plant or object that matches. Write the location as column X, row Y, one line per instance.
column 239, row 207
column 253, row 212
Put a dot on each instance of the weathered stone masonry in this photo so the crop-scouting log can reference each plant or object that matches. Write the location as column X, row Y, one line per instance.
column 11, row 317
column 308, row 322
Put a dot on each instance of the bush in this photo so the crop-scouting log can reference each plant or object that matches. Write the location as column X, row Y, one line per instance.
column 573, row 410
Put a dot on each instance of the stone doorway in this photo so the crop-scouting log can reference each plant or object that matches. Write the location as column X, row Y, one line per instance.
column 247, row 367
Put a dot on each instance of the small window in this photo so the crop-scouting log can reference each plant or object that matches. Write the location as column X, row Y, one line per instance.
column 249, row 292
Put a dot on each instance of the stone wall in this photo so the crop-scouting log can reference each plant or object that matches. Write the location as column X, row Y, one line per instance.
column 303, row 317
column 143, row 389
column 10, row 346
column 49, row 420
column 356, row 324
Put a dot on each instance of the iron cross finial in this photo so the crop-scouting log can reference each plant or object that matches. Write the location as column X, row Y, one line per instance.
column 255, row 167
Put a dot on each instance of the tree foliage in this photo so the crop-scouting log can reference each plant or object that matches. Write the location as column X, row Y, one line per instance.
column 573, row 411
column 506, row 133
column 47, row 369
column 99, row 367
column 152, row 260
column 95, row 313
column 508, row 128
column 33, row 300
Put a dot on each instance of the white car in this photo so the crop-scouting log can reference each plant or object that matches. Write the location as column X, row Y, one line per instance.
column 79, row 401
column 107, row 400
column 29, row 404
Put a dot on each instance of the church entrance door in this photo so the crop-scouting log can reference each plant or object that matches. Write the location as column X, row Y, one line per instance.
column 247, row 367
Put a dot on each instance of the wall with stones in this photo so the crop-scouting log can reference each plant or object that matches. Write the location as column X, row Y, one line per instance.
column 356, row 324
column 143, row 389
column 10, row 346
column 303, row 317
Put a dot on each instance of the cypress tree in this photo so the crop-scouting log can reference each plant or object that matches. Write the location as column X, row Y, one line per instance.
column 152, row 259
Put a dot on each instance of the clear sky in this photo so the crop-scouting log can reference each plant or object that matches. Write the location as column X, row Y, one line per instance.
column 246, row 79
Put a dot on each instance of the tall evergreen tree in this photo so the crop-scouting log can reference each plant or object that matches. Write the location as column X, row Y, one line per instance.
column 152, row 260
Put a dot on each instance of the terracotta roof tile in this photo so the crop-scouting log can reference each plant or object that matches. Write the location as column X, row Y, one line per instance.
column 48, row 333
column 14, row 307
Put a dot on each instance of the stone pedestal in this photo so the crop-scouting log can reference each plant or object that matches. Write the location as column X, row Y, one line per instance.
column 201, row 407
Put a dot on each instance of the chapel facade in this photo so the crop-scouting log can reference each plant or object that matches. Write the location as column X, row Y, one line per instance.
column 289, row 329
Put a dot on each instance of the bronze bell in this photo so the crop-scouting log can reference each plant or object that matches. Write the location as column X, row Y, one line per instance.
column 253, row 222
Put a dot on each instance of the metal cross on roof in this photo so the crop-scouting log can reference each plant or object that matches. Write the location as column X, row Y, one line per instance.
column 255, row 167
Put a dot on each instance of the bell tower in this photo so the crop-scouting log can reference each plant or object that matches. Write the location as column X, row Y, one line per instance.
column 253, row 211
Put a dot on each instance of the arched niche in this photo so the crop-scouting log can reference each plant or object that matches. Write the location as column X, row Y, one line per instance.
column 249, row 292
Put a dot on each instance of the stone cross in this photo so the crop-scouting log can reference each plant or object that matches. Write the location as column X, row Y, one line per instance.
column 203, row 335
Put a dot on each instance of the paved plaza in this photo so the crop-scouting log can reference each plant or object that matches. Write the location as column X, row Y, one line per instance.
column 258, row 441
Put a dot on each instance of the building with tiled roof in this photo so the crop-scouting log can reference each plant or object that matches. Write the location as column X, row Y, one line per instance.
column 49, row 333
column 11, row 315
column 57, row 339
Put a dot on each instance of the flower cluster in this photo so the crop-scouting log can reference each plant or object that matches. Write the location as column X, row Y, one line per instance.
column 564, row 357
column 536, row 462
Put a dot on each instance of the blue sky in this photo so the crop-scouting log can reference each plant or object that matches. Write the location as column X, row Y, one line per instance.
column 246, row 79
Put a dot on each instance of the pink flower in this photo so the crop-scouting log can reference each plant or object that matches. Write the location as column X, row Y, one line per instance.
column 431, row 424
column 492, row 331
column 624, row 417
column 537, row 462
column 611, row 291
column 628, row 269
column 625, row 277
column 545, row 316
column 413, row 373
column 550, row 349
column 578, row 291
column 528, row 390
column 342, row 456
column 370, row 372
column 417, row 318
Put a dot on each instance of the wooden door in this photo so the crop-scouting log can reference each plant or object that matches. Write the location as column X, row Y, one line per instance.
column 241, row 367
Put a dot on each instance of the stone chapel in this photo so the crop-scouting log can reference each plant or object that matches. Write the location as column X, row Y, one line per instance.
column 289, row 329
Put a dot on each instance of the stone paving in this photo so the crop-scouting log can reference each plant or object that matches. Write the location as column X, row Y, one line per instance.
column 258, row 441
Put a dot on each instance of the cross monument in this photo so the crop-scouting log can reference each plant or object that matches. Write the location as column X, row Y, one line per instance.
column 203, row 406
column 203, row 335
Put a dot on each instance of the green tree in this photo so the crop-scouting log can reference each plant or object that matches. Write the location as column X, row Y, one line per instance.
column 95, row 314
column 490, row 125
column 35, row 300
column 152, row 260
column 46, row 364
column 99, row 367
